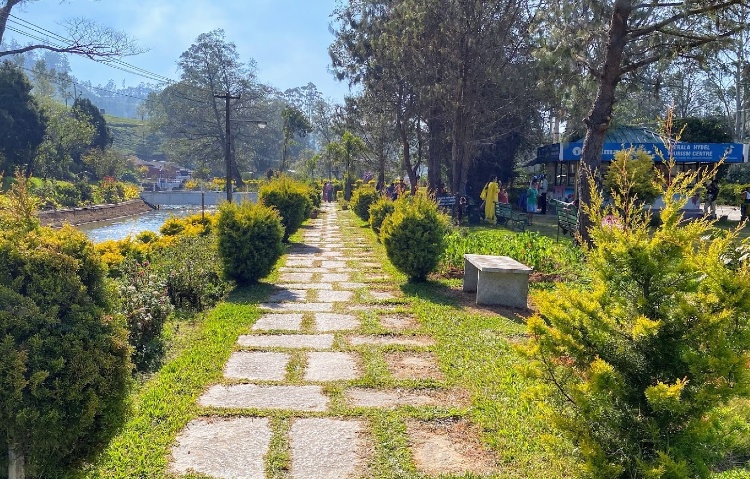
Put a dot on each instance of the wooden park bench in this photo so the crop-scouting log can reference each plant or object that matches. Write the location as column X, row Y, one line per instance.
column 567, row 219
column 497, row 280
column 506, row 216
column 447, row 204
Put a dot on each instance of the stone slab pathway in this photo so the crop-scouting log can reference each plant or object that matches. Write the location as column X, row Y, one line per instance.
column 311, row 336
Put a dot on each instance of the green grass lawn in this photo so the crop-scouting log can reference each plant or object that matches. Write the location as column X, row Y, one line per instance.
column 475, row 351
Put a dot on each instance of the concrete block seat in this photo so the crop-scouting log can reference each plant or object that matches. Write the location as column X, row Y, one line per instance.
column 497, row 280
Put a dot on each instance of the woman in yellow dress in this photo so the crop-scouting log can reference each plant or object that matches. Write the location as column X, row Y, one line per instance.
column 489, row 197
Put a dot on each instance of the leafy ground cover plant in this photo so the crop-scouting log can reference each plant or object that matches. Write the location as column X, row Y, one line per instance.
column 640, row 364
column 191, row 269
column 145, row 305
column 543, row 254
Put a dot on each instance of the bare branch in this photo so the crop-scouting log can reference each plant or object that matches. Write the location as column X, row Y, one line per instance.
column 680, row 48
column 678, row 16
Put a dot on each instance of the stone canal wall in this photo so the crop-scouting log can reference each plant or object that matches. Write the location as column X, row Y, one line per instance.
column 89, row 214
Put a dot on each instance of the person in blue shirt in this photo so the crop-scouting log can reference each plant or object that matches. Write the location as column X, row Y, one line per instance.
column 531, row 196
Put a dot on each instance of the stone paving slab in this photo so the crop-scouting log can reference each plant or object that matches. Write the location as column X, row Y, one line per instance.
column 448, row 448
column 382, row 295
column 281, row 321
column 331, row 366
column 305, row 263
column 257, row 366
column 326, row 448
column 335, row 296
column 335, row 322
column 312, row 270
column 223, row 448
column 301, row 250
column 297, row 306
column 391, row 341
column 392, row 398
column 332, row 254
column 293, row 341
column 330, row 264
column 404, row 365
column 334, row 277
column 398, row 321
column 351, row 285
column 295, row 277
column 297, row 398
column 288, row 295
column 313, row 285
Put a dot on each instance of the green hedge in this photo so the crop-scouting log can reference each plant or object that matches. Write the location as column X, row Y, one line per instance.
column 414, row 236
column 291, row 200
column 250, row 241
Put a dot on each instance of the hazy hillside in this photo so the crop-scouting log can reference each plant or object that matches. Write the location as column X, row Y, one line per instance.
column 133, row 137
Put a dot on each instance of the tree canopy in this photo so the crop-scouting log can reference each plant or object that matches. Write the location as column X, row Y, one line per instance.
column 21, row 122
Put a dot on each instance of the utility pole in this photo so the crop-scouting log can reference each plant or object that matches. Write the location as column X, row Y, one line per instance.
column 227, row 143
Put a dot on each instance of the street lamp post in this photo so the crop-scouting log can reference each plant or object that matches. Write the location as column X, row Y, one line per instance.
column 228, row 140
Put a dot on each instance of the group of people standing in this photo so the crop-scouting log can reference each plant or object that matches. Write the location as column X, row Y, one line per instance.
column 493, row 192
column 535, row 196
column 328, row 192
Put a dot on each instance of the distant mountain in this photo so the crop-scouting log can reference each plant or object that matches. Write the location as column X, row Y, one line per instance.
column 133, row 137
column 51, row 70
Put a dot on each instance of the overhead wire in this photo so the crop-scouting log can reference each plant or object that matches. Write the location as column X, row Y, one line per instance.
column 123, row 66
column 110, row 62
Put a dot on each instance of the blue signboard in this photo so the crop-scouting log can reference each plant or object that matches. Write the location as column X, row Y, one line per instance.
column 682, row 152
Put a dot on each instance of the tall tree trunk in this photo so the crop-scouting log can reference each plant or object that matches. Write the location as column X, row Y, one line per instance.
column 459, row 150
column 16, row 463
column 600, row 116
column 434, row 165
column 405, row 150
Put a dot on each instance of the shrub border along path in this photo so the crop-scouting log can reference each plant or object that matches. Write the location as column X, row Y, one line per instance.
column 472, row 348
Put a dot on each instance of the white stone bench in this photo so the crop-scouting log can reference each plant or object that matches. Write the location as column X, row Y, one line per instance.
column 497, row 279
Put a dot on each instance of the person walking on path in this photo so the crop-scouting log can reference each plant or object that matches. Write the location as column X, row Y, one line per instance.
column 543, row 185
column 489, row 198
column 531, row 199
column 712, row 195
column 745, row 208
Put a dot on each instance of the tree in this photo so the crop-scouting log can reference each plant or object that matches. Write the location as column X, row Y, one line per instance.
column 66, row 136
column 295, row 123
column 369, row 117
column 703, row 130
column 83, row 37
column 632, row 173
column 639, row 34
column 21, row 122
column 83, row 109
column 64, row 358
column 640, row 361
column 346, row 151
column 431, row 62
column 105, row 163
column 194, row 119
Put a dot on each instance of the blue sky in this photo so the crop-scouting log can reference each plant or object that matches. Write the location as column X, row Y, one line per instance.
column 288, row 39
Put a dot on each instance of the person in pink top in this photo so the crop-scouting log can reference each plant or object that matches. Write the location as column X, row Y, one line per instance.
column 502, row 195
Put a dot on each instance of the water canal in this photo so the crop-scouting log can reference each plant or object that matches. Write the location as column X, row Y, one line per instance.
column 121, row 228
